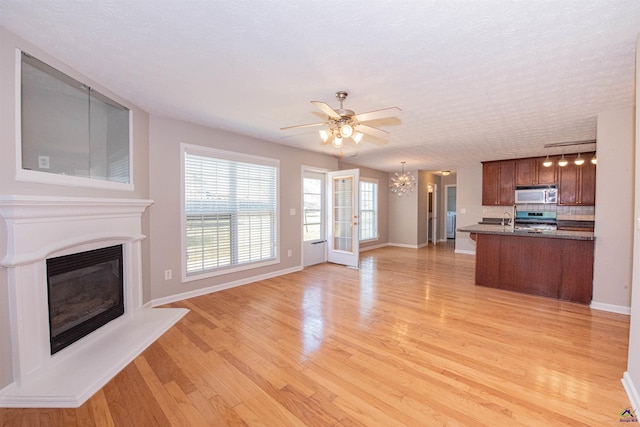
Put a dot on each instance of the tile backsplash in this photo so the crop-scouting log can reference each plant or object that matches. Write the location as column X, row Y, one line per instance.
column 575, row 213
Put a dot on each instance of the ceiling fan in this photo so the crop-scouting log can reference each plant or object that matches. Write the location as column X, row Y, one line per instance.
column 343, row 123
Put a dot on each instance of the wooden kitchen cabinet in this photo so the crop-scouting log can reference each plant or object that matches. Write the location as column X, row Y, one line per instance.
column 550, row 267
column 498, row 183
column 531, row 171
column 577, row 184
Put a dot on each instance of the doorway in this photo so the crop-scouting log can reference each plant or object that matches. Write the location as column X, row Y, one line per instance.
column 432, row 211
column 314, row 212
column 330, row 229
column 450, row 209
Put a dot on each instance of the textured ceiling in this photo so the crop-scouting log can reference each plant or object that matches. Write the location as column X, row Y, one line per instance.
column 476, row 80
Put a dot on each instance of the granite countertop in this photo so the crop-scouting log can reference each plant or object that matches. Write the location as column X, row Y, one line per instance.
column 554, row 234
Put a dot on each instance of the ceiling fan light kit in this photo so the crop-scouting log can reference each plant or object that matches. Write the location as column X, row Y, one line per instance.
column 345, row 123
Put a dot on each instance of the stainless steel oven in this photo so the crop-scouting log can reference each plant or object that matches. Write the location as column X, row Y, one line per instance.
column 536, row 220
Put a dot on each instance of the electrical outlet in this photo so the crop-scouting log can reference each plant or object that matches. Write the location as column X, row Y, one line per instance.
column 289, row 252
column 43, row 162
column 168, row 275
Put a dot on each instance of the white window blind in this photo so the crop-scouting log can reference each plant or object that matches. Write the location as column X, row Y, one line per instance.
column 368, row 210
column 230, row 209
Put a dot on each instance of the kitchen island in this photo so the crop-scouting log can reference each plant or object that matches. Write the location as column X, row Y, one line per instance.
column 551, row 263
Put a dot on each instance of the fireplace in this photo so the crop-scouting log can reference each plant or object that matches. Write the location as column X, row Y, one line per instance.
column 82, row 256
column 85, row 292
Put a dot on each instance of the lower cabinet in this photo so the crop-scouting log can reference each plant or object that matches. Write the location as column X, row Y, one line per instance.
column 551, row 267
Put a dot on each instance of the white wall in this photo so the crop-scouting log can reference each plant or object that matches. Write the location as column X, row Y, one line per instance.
column 403, row 217
column 614, row 211
column 631, row 378
column 165, row 136
column 469, row 204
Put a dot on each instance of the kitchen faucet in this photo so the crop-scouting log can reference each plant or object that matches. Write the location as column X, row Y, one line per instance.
column 512, row 218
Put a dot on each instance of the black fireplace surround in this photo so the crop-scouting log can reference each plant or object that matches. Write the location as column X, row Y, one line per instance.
column 85, row 292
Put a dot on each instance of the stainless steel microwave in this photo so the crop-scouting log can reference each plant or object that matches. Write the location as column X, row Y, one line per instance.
column 537, row 194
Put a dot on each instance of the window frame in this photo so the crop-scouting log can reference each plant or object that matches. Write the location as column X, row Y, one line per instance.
column 375, row 210
column 37, row 176
column 235, row 157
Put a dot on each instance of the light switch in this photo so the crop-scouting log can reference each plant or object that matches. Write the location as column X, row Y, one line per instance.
column 292, row 211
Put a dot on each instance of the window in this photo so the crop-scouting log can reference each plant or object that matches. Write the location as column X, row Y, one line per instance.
column 230, row 211
column 368, row 210
column 70, row 133
column 312, row 222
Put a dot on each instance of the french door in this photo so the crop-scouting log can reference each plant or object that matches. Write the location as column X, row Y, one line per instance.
column 343, row 236
column 314, row 235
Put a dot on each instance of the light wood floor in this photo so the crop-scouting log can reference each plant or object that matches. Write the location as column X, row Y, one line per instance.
column 406, row 340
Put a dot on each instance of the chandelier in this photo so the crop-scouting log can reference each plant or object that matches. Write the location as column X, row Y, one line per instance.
column 402, row 183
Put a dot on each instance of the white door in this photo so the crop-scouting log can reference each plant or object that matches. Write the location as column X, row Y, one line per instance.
column 314, row 212
column 434, row 214
column 343, row 217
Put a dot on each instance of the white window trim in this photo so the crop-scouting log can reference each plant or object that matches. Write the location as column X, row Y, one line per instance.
column 234, row 156
column 53, row 178
column 373, row 181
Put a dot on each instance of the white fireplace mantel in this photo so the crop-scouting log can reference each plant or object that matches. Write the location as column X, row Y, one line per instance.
column 41, row 227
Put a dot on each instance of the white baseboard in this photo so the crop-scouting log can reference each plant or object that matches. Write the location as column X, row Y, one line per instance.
column 464, row 251
column 370, row 248
column 404, row 245
column 220, row 287
column 620, row 309
column 632, row 391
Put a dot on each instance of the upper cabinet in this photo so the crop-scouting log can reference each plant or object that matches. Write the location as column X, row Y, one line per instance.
column 498, row 182
column 577, row 184
column 531, row 171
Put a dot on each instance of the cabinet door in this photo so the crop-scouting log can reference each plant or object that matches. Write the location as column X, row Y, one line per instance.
column 490, row 176
column 506, row 196
column 526, row 171
column 577, row 271
column 547, row 175
column 588, row 184
column 568, row 185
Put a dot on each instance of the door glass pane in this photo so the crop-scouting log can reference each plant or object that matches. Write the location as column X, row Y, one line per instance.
column 312, row 201
column 343, row 214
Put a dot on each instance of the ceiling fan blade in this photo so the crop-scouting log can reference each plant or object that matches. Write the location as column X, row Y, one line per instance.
column 305, row 126
column 324, row 107
column 379, row 133
column 378, row 114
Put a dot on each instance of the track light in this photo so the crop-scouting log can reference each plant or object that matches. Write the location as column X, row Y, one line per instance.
column 594, row 160
column 579, row 160
column 547, row 162
column 563, row 162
